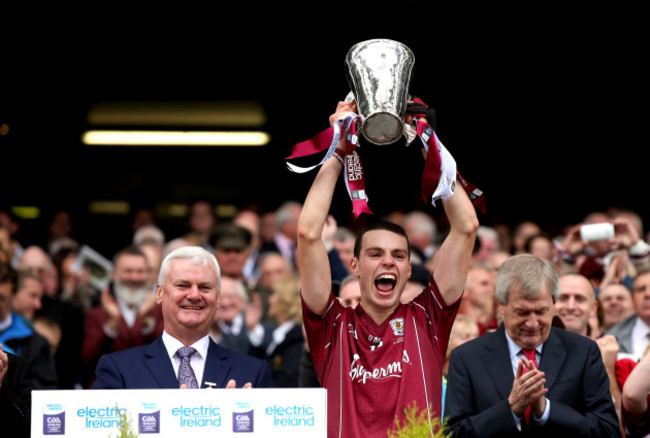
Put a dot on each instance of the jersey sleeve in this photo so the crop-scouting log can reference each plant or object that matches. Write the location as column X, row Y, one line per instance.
column 441, row 316
column 321, row 330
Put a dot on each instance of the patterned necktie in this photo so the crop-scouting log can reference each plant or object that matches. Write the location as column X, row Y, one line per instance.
column 530, row 355
column 185, row 371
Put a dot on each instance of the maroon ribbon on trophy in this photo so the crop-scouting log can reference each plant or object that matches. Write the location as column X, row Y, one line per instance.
column 352, row 167
column 354, row 180
column 439, row 175
column 438, row 179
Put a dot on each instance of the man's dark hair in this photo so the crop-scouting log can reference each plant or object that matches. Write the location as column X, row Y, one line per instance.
column 380, row 225
column 129, row 250
column 641, row 271
column 23, row 274
column 8, row 275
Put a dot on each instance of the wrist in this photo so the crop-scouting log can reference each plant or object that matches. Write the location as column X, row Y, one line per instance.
column 338, row 156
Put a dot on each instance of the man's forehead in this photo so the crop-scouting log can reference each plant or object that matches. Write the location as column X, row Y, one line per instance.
column 568, row 290
column 641, row 279
column 228, row 293
column 189, row 268
column 131, row 261
column 31, row 283
column 481, row 273
column 614, row 290
column 229, row 286
column 517, row 299
column 383, row 239
column 273, row 262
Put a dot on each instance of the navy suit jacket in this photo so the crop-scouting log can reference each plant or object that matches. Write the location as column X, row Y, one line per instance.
column 149, row 367
column 480, row 380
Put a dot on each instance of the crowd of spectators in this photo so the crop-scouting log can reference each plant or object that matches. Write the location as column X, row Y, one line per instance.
column 55, row 317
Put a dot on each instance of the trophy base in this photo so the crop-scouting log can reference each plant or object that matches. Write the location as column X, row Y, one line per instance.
column 382, row 128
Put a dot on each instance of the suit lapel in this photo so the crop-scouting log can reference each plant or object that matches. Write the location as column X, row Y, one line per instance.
column 553, row 356
column 159, row 365
column 497, row 357
column 626, row 338
column 217, row 366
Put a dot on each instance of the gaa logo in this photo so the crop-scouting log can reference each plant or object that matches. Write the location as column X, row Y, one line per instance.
column 54, row 424
column 242, row 422
column 149, row 423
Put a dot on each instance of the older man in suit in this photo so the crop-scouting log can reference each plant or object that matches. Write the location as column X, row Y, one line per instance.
column 496, row 389
column 184, row 355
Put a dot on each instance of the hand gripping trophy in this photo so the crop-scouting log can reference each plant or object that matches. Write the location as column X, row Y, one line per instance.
column 379, row 73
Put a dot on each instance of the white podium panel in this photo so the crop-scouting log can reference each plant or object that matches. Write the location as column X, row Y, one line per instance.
column 263, row 412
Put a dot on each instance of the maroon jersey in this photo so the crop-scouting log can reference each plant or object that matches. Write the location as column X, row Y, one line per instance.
column 373, row 372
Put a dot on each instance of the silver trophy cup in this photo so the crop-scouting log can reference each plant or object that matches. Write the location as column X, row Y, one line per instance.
column 379, row 73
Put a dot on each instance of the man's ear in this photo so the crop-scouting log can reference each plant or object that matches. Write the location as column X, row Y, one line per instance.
column 594, row 308
column 354, row 264
column 158, row 294
column 500, row 308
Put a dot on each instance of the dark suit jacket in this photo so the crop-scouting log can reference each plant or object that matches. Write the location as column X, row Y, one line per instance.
column 623, row 333
column 285, row 359
column 241, row 343
column 67, row 358
column 15, row 400
column 480, row 379
column 149, row 367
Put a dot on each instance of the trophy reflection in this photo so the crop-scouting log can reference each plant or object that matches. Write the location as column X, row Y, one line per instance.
column 379, row 72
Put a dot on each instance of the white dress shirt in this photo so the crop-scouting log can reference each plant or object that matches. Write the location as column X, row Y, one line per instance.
column 197, row 361
column 639, row 338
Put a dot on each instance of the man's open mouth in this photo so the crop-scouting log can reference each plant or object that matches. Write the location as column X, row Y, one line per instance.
column 385, row 283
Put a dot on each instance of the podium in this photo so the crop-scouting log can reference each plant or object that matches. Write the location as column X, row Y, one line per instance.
column 262, row 412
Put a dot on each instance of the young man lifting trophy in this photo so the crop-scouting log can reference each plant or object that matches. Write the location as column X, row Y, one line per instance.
column 383, row 356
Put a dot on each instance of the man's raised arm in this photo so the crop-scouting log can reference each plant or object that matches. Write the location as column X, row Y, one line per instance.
column 313, row 265
column 451, row 261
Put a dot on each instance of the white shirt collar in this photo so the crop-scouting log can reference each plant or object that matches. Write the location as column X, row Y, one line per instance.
column 198, row 359
column 172, row 345
column 4, row 325
column 515, row 352
column 128, row 313
column 279, row 334
column 235, row 327
column 639, row 337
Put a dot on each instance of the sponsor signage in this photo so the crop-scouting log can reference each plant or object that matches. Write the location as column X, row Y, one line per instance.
column 264, row 412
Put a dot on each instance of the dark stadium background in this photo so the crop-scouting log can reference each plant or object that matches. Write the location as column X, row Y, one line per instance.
column 543, row 108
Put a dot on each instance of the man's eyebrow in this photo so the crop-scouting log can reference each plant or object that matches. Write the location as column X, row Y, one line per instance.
column 378, row 248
